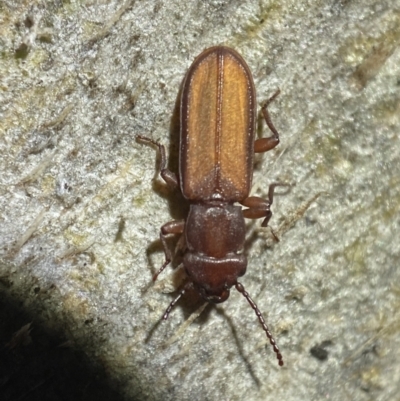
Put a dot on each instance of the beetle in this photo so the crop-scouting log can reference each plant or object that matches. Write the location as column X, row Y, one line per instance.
column 217, row 146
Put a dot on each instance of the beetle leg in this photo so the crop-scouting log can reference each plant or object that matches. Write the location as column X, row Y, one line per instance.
column 172, row 227
column 167, row 175
column 266, row 144
column 253, row 305
column 259, row 207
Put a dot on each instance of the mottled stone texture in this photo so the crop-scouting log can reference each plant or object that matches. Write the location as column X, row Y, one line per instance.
column 81, row 203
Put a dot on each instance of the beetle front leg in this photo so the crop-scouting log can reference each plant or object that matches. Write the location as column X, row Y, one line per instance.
column 167, row 175
column 265, row 144
column 172, row 227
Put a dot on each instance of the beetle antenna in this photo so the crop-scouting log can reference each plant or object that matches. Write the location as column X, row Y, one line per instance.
column 173, row 303
column 241, row 289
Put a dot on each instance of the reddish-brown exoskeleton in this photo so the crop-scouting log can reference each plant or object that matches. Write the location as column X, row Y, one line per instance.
column 217, row 145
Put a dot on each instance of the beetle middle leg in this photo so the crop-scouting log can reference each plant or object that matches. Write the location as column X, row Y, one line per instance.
column 260, row 207
column 172, row 227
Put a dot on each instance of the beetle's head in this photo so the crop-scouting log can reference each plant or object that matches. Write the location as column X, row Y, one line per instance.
column 212, row 296
column 213, row 277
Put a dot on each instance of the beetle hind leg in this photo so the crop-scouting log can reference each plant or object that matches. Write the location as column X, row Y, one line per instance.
column 265, row 144
column 167, row 175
